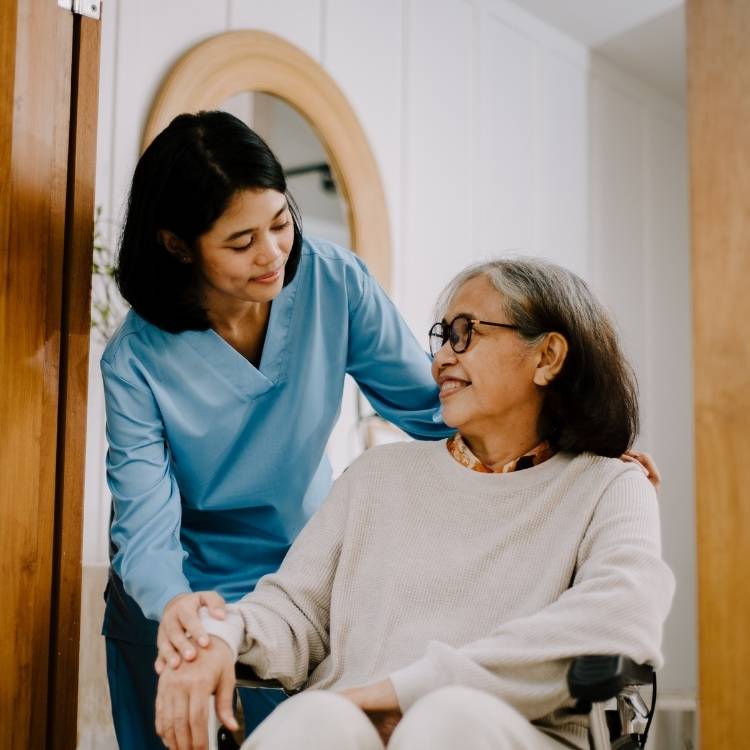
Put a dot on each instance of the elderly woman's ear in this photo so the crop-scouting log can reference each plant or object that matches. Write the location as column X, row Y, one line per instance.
column 551, row 357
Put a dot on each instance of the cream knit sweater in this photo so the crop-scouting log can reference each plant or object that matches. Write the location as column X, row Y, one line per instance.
column 418, row 569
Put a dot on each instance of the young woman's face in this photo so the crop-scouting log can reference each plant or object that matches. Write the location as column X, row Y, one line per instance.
column 243, row 255
column 492, row 382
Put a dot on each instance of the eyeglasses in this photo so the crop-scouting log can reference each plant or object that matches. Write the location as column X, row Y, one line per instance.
column 458, row 332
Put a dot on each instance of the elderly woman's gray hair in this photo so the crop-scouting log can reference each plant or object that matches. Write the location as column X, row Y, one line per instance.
column 593, row 403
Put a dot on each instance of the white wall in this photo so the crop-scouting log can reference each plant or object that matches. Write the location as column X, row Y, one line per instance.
column 640, row 265
column 493, row 132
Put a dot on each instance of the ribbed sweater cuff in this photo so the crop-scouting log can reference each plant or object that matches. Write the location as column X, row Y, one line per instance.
column 231, row 630
column 415, row 681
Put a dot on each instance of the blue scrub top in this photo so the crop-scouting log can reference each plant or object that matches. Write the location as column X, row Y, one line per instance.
column 215, row 465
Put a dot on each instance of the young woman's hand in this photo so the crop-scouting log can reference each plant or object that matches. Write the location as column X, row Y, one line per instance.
column 647, row 464
column 181, row 627
column 380, row 702
column 183, row 694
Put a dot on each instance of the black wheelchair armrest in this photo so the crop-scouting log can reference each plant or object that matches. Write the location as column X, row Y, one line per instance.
column 246, row 678
column 594, row 679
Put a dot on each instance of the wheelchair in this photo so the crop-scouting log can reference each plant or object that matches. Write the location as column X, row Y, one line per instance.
column 593, row 681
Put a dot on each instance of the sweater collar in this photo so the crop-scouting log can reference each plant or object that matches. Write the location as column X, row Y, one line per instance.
column 461, row 452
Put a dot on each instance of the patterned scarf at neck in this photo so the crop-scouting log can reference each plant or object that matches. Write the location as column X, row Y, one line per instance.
column 462, row 453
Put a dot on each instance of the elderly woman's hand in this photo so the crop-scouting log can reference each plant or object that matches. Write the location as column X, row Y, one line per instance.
column 183, row 695
column 380, row 702
column 647, row 464
column 180, row 624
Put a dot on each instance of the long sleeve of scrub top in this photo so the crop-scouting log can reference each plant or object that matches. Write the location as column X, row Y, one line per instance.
column 148, row 498
column 389, row 365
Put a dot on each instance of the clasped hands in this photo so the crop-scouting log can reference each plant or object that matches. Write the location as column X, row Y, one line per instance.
column 192, row 666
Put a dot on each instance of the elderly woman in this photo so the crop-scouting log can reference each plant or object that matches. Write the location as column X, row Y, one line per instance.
column 438, row 596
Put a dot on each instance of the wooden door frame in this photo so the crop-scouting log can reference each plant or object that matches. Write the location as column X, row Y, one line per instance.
column 73, row 399
column 48, row 115
column 718, row 112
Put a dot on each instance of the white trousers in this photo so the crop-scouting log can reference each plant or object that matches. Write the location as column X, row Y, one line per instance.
column 447, row 719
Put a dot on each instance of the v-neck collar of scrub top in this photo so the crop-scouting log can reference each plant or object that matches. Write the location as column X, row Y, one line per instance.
column 252, row 382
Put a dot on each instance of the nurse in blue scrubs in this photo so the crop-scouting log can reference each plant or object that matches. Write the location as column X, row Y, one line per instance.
column 223, row 385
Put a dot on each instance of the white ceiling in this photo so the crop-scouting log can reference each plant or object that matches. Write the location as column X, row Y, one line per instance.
column 655, row 52
column 644, row 37
column 594, row 21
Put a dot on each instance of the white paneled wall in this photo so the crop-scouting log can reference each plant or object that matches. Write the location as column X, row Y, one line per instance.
column 438, row 178
column 640, row 265
column 369, row 67
column 508, row 127
column 493, row 132
column 532, row 144
column 301, row 23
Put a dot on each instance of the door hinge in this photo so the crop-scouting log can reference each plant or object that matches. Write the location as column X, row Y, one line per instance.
column 88, row 8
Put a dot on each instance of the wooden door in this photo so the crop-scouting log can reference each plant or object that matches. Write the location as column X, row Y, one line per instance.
column 719, row 113
column 49, row 63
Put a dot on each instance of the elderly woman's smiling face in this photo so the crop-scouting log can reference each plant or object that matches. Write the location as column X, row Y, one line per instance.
column 498, row 382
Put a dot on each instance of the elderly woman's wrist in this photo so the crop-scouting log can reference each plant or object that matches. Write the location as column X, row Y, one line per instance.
column 231, row 630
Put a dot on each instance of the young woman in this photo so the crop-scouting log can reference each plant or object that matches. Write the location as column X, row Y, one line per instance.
column 438, row 596
column 222, row 387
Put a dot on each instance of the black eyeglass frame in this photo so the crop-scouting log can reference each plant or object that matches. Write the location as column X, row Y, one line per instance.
column 438, row 332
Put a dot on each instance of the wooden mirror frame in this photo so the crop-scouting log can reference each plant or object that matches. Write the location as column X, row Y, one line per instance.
column 240, row 61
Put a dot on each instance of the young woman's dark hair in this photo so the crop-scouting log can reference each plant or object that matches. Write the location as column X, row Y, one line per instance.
column 592, row 405
column 183, row 183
